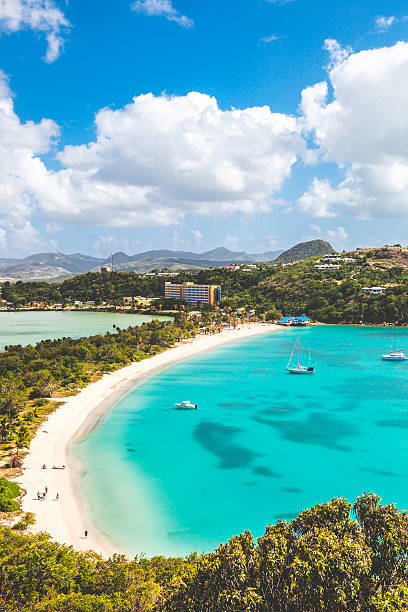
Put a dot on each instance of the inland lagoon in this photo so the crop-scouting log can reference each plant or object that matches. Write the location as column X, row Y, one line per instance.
column 262, row 446
column 30, row 327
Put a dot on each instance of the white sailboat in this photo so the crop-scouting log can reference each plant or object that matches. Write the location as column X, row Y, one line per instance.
column 299, row 369
column 394, row 354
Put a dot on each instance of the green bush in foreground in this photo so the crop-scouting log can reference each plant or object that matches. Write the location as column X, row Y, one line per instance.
column 8, row 491
column 335, row 557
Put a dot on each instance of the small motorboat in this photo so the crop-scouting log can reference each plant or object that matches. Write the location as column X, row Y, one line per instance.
column 186, row 405
column 394, row 356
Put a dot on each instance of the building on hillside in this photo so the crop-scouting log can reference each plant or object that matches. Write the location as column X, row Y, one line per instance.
column 334, row 258
column 327, row 266
column 192, row 293
column 168, row 273
column 374, row 290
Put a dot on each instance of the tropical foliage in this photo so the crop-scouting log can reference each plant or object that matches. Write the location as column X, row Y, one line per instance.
column 8, row 492
column 335, row 557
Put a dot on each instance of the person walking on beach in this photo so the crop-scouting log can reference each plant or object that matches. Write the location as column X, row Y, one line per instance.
column 46, row 490
column 57, row 496
column 86, row 533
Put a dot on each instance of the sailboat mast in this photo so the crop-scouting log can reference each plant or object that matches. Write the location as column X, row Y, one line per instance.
column 291, row 355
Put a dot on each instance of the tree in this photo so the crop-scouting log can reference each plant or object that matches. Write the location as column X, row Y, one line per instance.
column 12, row 399
column 386, row 533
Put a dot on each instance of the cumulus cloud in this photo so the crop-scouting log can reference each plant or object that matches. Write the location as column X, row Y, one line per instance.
column 363, row 129
column 22, row 173
column 338, row 234
column 322, row 200
column 153, row 162
column 382, row 23
column 161, row 8
column 38, row 15
column 337, row 53
column 160, row 158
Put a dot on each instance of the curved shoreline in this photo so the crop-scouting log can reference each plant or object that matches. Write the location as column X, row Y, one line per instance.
column 66, row 519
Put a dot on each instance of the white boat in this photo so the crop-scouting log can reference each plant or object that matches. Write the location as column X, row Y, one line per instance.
column 299, row 369
column 186, row 405
column 394, row 354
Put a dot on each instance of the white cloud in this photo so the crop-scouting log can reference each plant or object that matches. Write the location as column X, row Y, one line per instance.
column 161, row 8
column 153, row 162
column 315, row 228
column 22, row 174
column 337, row 53
column 38, row 15
column 198, row 237
column 322, row 200
column 160, row 158
column 363, row 129
column 382, row 23
column 338, row 234
column 268, row 39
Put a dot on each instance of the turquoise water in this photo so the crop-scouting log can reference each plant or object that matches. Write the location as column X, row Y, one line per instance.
column 33, row 326
column 263, row 444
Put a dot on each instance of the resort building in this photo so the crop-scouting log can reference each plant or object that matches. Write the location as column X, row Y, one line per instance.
column 334, row 258
column 327, row 267
column 192, row 293
column 374, row 290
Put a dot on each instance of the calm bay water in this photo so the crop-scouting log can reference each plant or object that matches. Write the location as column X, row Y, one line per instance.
column 263, row 444
column 30, row 327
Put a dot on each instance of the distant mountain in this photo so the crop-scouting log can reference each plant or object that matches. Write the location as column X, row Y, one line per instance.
column 304, row 250
column 221, row 254
column 57, row 266
column 48, row 265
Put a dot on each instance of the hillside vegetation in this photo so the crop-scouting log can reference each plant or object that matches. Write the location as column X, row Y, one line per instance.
column 330, row 296
column 321, row 561
column 305, row 250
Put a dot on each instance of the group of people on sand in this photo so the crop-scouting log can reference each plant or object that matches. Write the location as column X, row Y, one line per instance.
column 43, row 495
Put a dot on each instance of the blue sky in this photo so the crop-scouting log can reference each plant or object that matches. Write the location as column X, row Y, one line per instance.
column 91, row 163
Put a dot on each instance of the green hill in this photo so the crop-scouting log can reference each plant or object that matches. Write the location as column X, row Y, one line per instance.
column 304, row 250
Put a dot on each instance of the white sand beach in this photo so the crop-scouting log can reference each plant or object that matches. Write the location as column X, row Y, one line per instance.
column 65, row 518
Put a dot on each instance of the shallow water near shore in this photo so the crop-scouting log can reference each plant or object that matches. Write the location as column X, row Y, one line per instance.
column 30, row 327
column 263, row 444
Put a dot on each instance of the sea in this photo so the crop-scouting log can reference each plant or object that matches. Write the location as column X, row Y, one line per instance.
column 30, row 327
column 263, row 444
